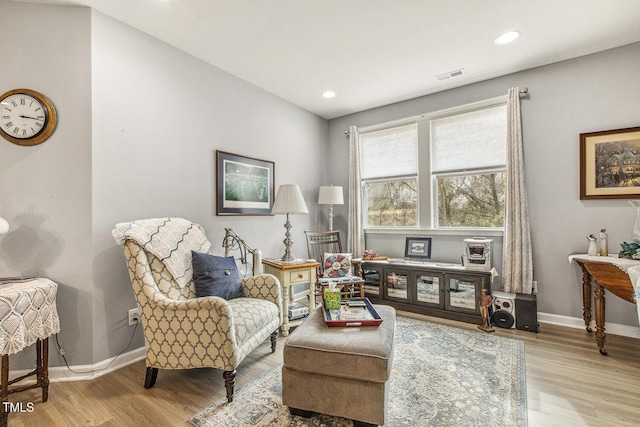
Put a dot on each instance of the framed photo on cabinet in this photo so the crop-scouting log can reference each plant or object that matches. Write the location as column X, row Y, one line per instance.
column 244, row 185
column 417, row 247
column 610, row 164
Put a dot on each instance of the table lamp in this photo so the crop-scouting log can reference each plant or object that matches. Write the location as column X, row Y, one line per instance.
column 4, row 226
column 289, row 200
column 330, row 195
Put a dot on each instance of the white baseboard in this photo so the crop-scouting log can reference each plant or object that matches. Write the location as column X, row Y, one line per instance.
column 578, row 323
column 89, row 372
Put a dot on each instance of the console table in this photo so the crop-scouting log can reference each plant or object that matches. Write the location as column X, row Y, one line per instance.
column 436, row 289
column 608, row 273
column 290, row 274
column 28, row 315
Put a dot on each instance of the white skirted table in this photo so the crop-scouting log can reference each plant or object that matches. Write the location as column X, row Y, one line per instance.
column 28, row 315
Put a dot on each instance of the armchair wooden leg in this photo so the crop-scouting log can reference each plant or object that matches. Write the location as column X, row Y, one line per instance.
column 274, row 340
column 150, row 379
column 229, row 383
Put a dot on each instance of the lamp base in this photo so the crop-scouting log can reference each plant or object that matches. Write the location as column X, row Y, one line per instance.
column 331, row 217
column 288, row 257
column 293, row 261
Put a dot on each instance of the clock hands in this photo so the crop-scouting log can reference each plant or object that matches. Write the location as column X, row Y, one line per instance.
column 27, row 117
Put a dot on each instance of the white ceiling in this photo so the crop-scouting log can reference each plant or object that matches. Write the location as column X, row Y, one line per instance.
column 374, row 52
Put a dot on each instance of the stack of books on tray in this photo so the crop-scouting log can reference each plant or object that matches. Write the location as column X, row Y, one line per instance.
column 354, row 313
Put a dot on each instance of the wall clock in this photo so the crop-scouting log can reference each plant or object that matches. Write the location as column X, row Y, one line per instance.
column 27, row 117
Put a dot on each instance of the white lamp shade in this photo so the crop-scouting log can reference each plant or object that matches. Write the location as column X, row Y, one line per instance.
column 4, row 226
column 289, row 200
column 330, row 195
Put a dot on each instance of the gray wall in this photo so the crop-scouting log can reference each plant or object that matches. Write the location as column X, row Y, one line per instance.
column 159, row 115
column 45, row 190
column 591, row 93
column 139, row 124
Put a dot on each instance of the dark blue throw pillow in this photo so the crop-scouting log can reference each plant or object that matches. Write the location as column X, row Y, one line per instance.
column 216, row 276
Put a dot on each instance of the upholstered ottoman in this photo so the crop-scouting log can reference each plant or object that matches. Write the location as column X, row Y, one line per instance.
column 339, row 371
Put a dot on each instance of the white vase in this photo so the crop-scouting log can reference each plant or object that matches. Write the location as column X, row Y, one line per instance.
column 635, row 231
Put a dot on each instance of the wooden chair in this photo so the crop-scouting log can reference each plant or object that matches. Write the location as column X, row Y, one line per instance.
column 320, row 243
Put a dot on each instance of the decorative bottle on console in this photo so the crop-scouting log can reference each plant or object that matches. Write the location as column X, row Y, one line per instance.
column 604, row 251
column 635, row 231
column 593, row 247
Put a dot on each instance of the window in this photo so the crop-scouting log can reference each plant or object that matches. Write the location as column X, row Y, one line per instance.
column 439, row 170
column 389, row 172
column 468, row 156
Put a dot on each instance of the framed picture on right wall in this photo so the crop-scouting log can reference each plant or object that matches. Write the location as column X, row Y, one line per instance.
column 610, row 164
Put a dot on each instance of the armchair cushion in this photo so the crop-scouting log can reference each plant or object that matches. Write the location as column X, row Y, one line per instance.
column 216, row 276
column 337, row 265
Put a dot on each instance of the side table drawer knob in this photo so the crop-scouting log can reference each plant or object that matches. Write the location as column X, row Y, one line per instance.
column 299, row 276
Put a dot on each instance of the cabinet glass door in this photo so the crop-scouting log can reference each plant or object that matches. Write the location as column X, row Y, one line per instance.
column 372, row 280
column 396, row 286
column 463, row 294
column 428, row 291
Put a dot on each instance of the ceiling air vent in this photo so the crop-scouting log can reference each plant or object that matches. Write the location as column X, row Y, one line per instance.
column 450, row 74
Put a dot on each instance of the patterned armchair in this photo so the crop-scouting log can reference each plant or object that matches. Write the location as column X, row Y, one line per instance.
column 180, row 330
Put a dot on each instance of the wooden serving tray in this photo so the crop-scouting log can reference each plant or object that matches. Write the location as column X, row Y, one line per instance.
column 353, row 316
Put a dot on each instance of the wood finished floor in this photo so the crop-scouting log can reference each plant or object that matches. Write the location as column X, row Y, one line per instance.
column 568, row 384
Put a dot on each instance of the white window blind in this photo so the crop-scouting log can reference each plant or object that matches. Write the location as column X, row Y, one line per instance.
column 389, row 152
column 469, row 141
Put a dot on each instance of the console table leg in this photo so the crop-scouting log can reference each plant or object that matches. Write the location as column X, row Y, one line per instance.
column 586, row 298
column 599, row 310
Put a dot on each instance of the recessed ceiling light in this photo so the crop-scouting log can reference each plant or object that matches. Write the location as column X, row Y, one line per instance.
column 507, row 37
column 328, row 94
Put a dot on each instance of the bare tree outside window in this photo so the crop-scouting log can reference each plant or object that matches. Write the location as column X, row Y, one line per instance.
column 471, row 200
column 392, row 203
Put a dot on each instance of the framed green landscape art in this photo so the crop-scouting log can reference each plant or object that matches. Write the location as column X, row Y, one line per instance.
column 244, row 185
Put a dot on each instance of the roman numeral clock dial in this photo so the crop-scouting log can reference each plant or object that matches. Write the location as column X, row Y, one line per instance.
column 27, row 117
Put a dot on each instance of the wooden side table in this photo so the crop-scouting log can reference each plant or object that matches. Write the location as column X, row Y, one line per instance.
column 608, row 273
column 289, row 275
column 28, row 315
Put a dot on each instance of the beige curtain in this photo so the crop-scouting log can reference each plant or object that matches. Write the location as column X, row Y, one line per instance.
column 517, row 264
column 355, row 235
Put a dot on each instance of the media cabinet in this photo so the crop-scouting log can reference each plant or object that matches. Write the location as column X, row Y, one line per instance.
column 435, row 289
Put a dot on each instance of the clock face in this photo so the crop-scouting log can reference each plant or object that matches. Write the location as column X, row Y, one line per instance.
column 26, row 117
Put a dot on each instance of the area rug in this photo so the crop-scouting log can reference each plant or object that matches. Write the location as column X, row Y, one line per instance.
column 442, row 376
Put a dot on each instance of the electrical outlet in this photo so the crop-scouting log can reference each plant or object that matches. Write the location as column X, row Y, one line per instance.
column 134, row 316
column 534, row 287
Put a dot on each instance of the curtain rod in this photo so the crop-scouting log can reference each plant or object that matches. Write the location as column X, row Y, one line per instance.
column 523, row 92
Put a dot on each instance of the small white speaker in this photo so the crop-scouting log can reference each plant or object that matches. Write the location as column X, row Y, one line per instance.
column 504, row 310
